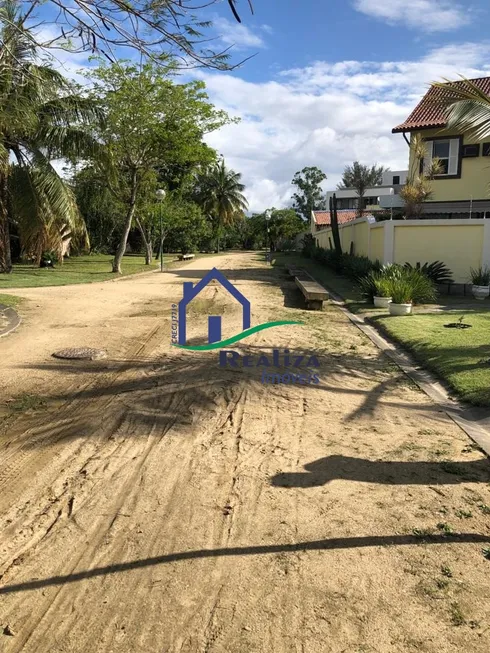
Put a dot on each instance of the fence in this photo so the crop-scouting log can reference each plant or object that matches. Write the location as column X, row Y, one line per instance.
column 460, row 244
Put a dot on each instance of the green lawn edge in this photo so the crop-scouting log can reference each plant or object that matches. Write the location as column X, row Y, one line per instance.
column 93, row 268
column 456, row 357
column 9, row 300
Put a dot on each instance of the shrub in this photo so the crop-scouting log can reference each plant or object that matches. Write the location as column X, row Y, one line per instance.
column 411, row 286
column 357, row 267
column 329, row 257
column 480, row 276
column 354, row 267
column 437, row 271
column 376, row 282
column 309, row 246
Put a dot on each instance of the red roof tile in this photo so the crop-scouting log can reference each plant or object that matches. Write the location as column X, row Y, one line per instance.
column 432, row 110
column 322, row 218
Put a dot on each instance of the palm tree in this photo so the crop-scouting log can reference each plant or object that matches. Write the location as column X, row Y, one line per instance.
column 220, row 193
column 361, row 177
column 40, row 119
column 468, row 107
column 418, row 188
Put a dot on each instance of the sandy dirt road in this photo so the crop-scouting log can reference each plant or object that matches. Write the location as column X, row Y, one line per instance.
column 154, row 502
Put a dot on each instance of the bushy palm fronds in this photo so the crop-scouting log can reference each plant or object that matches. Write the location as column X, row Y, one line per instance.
column 40, row 118
column 468, row 107
column 220, row 194
column 437, row 272
column 411, row 286
column 376, row 283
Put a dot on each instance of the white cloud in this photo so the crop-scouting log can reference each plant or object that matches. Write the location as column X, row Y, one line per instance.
column 426, row 15
column 238, row 35
column 68, row 63
column 328, row 115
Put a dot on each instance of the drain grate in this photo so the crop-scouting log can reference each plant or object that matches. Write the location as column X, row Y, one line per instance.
column 81, row 353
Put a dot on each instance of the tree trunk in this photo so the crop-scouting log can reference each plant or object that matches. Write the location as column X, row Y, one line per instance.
column 146, row 242
column 5, row 259
column 121, row 248
column 360, row 206
column 335, row 224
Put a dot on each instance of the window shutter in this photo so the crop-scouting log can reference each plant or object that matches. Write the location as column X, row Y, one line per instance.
column 453, row 156
column 429, row 145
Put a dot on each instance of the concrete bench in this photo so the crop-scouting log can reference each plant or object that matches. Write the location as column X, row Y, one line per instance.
column 186, row 257
column 297, row 273
column 314, row 294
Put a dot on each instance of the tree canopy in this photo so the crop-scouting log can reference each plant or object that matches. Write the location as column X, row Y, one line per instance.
column 41, row 118
column 361, row 177
column 154, row 28
column 309, row 195
column 152, row 127
column 220, row 193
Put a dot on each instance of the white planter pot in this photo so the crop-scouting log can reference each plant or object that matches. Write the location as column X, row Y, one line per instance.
column 480, row 292
column 400, row 309
column 382, row 302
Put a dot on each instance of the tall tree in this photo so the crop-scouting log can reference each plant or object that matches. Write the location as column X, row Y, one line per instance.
column 40, row 118
column 150, row 123
column 102, row 212
column 284, row 225
column 361, row 177
column 220, row 193
column 150, row 27
column 309, row 195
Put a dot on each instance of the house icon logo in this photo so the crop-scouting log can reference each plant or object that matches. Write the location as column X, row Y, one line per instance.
column 191, row 291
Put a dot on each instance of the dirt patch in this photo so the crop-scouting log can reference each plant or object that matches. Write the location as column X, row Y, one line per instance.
column 160, row 502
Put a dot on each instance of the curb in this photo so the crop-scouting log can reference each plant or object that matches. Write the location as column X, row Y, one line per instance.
column 474, row 421
column 13, row 320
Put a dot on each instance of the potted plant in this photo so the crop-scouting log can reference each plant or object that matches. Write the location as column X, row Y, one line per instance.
column 408, row 288
column 480, row 278
column 381, row 297
column 374, row 285
column 401, row 297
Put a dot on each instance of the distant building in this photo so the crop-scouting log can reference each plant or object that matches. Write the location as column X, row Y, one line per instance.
column 461, row 190
column 375, row 199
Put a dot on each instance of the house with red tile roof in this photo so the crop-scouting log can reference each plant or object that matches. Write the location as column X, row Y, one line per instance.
column 376, row 199
column 461, row 190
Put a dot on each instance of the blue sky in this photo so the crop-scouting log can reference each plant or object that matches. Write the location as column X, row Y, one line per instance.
column 329, row 80
column 299, row 32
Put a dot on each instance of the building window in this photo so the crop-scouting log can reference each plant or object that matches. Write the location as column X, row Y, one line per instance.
column 486, row 149
column 470, row 151
column 396, row 180
column 447, row 150
column 441, row 152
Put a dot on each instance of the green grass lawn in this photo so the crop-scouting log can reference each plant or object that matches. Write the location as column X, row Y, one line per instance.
column 460, row 357
column 79, row 269
column 9, row 300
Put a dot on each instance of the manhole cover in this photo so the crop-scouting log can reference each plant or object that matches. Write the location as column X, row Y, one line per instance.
column 81, row 353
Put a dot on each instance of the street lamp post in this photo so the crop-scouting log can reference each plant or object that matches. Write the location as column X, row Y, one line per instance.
column 268, row 215
column 160, row 197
